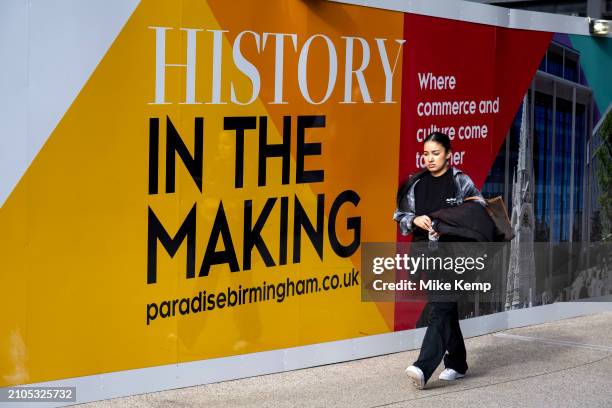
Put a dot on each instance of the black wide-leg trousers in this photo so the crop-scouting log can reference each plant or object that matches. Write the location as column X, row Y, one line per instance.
column 443, row 335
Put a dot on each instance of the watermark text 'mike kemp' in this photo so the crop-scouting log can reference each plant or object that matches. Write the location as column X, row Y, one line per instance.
column 431, row 285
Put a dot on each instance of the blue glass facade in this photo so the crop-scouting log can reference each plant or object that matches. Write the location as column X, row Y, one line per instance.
column 554, row 198
column 562, row 62
column 496, row 179
column 542, row 151
column 580, row 179
column 558, row 140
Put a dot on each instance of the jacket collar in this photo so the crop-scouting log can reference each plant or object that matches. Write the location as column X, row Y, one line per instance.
column 455, row 170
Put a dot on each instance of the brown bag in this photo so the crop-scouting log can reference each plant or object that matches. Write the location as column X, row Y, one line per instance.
column 499, row 214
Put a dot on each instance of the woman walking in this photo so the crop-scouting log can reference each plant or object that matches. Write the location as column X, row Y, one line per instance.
column 438, row 186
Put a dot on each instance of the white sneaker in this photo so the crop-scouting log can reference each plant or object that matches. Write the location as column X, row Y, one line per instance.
column 450, row 375
column 417, row 376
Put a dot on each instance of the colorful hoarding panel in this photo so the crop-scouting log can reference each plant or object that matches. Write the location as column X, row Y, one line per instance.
column 206, row 192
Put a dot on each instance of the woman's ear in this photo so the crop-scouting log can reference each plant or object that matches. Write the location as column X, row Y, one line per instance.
column 448, row 155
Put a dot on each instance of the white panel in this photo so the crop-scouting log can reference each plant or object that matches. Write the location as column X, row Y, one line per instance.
column 13, row 92
column 363, row 347
column 483, row 14
column 53, row 47
column 481, row 325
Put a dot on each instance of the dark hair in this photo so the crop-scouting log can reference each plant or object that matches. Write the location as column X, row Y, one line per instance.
column 441, row 138
column 438, row 137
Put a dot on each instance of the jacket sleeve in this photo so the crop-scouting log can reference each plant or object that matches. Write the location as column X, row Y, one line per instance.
column 406, row 215
column 468, row 189
column 404, row 219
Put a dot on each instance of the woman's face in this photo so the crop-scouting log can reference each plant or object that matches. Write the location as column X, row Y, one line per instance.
column 435, row 156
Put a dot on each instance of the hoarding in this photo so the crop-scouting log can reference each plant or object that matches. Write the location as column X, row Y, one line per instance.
column 207, row 190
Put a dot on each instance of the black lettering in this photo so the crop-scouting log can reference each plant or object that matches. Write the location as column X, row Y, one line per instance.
column 221, row 300
column 228, row 254
column 300, row 221
column 151, row 312
column 157, row 232
column 252, row 235
column 153, row 155
column 307, row 149
column 274, row 150
column 239, row 124
column 284, row 221
column 352, row 223
column 354, row 275
column 174, row 145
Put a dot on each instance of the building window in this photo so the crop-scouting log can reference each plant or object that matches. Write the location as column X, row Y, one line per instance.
column 571, row 70
column 562, row 162
column 542, row 153
column 579, row 161
column 562, row 62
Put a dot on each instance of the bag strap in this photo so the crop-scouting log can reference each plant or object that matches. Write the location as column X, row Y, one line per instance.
column 471, row 198
column 474, row 198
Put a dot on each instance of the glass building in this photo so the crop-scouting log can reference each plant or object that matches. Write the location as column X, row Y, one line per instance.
column 561, row 120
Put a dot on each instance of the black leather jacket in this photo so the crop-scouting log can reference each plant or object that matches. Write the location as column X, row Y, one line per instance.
column 405, row 213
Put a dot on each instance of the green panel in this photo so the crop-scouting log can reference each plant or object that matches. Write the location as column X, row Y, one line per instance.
column 596, row 63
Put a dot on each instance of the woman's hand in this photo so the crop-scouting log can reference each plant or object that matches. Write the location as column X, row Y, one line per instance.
column 423, row 222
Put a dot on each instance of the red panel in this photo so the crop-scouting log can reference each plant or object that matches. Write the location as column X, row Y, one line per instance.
column 486, row 63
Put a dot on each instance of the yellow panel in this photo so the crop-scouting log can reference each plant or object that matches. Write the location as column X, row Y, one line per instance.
column 74, row 230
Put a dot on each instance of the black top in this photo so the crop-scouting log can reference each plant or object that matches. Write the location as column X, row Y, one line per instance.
column 431, row 194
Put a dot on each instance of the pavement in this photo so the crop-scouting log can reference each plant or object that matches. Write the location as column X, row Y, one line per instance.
column 565, row 363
